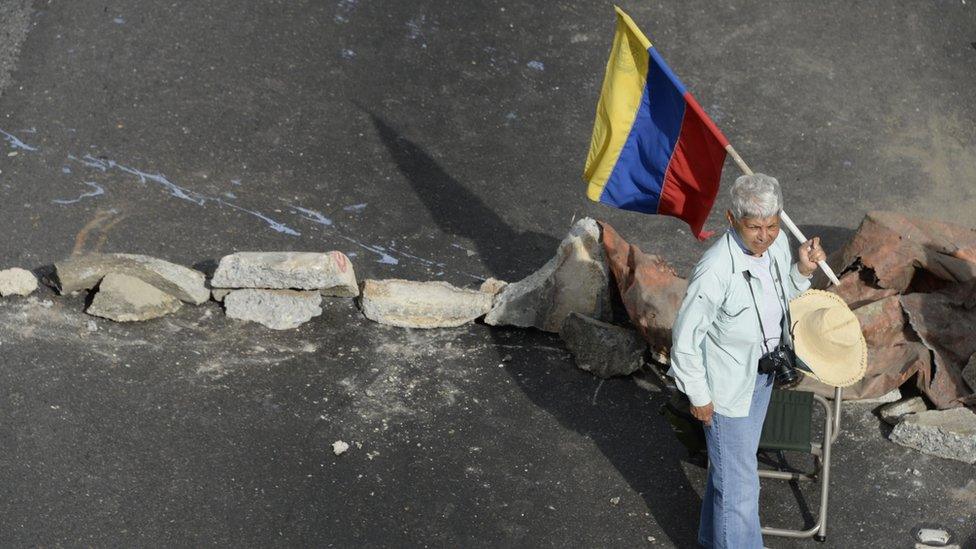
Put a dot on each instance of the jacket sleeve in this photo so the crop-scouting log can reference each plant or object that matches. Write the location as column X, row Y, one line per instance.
column 698, row 310
column 796, row 283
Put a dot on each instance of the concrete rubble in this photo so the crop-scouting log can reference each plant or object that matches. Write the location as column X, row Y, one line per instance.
column 949, row 434
column 600, row 348
column 893, row 412
column 410, row 304
column 330, row 273
column 125, row 298
column 577, row 280
column 86, row 271
column 276, row 309
column 17, row 281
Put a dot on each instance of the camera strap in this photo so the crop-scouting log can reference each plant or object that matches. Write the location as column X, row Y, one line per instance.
column 755, row 306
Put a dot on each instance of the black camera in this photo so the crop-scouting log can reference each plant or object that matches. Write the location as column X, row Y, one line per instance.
column 780, row 362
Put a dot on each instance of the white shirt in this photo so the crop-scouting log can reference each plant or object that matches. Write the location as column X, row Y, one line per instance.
column 770, row 307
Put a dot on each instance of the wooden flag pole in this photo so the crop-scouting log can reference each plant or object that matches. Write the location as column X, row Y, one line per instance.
column 785, row 218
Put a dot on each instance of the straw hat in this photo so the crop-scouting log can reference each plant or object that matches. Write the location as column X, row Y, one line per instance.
column 827, row 338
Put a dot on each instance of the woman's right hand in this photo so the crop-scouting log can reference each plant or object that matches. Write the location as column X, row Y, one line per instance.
column 703, row 413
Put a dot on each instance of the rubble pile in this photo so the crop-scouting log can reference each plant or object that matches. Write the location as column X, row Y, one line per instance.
column 910, row 282
column 130, row 287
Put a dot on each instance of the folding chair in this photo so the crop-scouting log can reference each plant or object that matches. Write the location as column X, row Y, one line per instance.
column 788, row 427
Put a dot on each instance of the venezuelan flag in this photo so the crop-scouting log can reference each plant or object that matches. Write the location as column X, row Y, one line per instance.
column 653, row 150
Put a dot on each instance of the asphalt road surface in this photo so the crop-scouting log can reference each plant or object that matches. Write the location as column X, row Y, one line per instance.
column 428, row 141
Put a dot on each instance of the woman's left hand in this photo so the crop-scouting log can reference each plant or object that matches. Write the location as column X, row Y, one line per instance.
column 810, row 253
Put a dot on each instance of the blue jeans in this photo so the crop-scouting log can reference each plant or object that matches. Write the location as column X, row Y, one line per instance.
column 730, row 508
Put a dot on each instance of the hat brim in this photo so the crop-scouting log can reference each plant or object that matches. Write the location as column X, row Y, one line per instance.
column 837, row 371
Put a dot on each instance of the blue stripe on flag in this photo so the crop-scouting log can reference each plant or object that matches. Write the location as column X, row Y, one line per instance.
column 637, row 178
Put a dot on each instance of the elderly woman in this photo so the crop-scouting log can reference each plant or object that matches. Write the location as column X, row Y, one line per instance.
column 732, row 315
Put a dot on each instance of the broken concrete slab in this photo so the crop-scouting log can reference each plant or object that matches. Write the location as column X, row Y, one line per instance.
column 601, row 348
column 411, row 304
column 894, row 411
column 17, row 281
column 949, row 434
column 276, row 309
column 650, row 290
column 331, row 273
column 125, row 298
column 577, row 279
column 84, row 273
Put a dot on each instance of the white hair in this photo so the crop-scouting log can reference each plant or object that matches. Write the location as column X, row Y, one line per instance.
column 757, row 196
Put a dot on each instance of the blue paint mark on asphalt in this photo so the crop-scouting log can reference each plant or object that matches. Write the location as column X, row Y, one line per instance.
column 105, row 164
column 16, row 143
column 98, row 191
column 312, row 215
column 119, row 21
column 536, row 65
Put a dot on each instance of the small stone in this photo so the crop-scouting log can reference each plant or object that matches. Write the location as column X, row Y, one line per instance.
column 651, row 539
column 339, row 447
column 602, row 349
column 949, row 434
column 410, row 304
column 92, row 326
column 219, row 294
column 507, row 358
column 933, row 536
column 276, row 309
column 17, row 281
column 330, row 273
column 615, row 500
column 894, row 411
column 85, row 272
column 125, row 298
column 493, row 286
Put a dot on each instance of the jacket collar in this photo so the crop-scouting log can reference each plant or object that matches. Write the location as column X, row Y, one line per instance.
column 739, row 262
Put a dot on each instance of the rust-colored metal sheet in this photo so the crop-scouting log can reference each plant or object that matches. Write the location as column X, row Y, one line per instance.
column 649, row 287
column 948, row 328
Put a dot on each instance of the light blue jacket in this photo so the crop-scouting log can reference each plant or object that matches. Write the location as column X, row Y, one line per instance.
column 716, row 339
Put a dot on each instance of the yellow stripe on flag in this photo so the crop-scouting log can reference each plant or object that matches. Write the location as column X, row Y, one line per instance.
column 623, row 87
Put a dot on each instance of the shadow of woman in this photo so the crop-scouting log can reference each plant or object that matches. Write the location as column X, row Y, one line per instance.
column 619, row 417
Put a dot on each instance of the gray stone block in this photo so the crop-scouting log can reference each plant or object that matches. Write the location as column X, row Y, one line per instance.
column 125, row 298
column 577, row 279
column 17, row 281
column 330, row 273
column 603, row 349
column 276, row 309
column 84, row 273
column 410, row 304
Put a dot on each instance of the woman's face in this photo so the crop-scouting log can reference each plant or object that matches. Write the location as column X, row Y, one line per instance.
column 756, row 233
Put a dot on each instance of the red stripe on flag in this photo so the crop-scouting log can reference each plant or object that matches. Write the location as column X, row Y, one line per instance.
column 692, row 178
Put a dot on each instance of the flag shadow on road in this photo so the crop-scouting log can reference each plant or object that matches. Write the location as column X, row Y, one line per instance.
column 616, row 415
